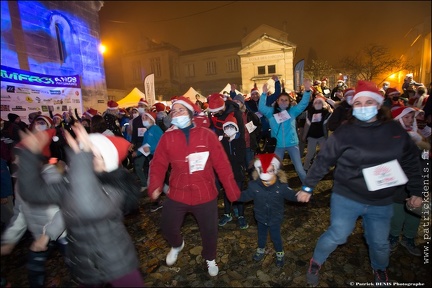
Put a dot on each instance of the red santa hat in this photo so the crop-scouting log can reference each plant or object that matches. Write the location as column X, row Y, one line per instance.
column 174, row 98
column 264, row 161
column 151, row 115
column 112, row 105
column 348, row 92
column 122, row 111
column 159, row 107
column 368, row 89
column 187, row 103
column 392, row 92
column 113, row 149
column 91, row 112
column 320, row 98
column 144, row 102
column 230, row 120
column 57, row 115
column 400, row 111
column 254, row 89
column 45, row 118
column 216, row 102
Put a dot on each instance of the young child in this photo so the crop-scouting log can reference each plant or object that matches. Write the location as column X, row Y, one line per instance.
column 92, row 197
column 268, row 193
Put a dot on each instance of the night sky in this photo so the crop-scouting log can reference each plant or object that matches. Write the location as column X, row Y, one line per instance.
column 327, row 30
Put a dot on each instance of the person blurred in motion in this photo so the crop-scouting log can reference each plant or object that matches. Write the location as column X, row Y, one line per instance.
column 268, row 193
column 198, row 154
column 45, row 222
column 92, row 197
column 369, row 153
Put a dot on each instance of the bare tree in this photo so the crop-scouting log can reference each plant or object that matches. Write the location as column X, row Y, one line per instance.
column 318, row 69
column 373, row 63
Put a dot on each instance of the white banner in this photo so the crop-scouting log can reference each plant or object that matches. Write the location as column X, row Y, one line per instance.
column 24, row 92
column 150, row 89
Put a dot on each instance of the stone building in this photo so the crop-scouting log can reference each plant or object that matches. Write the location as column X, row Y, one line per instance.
column 262, row 53
column 56, row 38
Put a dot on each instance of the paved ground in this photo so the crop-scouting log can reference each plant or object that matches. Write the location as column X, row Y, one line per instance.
column 304, row 223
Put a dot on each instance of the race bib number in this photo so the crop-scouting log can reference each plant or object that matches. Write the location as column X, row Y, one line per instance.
column 281, row 116
column 141, row 132
column 197, row 161
column 316, row 117
column 250, row 127
column 385, row 175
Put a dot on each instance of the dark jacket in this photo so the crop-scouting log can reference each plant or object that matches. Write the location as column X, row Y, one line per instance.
column 136, row 140
column 269, row 201
column 100, row 248
column 339, row 116
column 236, row 152
column 358, row 145
column 316, row 129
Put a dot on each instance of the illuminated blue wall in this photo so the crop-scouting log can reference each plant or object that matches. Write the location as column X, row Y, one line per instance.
column 56, row 38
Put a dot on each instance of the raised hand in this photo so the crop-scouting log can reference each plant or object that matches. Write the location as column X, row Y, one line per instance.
column 34, row 141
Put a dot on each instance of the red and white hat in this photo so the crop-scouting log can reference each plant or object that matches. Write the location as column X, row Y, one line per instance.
column 264, row 161
column 367, row 89
column 230, row 120
column 47, row 119
column 91, row 112
column 392, row 92
column 254, row 89
column 216, row 102
column 159, row 107
column 151, row 115
column 320, row 97
column 188, row 104
column 57, row 115
column 400, row 111
column 113, row 149
column 112, row 105
column 122, row 111
column 144, row 102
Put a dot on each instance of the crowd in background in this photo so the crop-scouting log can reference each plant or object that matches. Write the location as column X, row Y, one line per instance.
column 188, row 153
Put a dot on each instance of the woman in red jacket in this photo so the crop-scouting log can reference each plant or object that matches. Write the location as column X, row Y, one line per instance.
column 194, row 153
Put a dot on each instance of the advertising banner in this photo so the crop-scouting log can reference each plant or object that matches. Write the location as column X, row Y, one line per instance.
column 24, row 92
column 150, row 89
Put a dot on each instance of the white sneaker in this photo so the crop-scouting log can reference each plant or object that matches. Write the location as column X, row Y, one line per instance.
column 212, row 267
column 171, row 258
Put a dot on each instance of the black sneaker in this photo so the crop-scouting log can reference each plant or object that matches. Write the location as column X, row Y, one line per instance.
column 155, row 207
column 312, row 275
column 409, row 244
column 380, row 277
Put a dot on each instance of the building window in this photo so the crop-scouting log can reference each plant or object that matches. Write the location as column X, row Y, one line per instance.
column 233, row 65
column 136, row 71
column 271, row 69
column 60, row 43
column 211, row 67
column 155, row 66
column 190, row 70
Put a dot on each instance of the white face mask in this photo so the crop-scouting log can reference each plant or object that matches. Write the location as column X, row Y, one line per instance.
column 230, row 132
column 141, row 110
column 41, row 127
column 134, row 115
column 181, row 121
column 146, row 123
column 318, row 106
column 340, row 84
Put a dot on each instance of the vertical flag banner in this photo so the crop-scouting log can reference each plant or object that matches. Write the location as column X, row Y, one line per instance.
column 298, row 75
column 150, row 89
column 24, row 92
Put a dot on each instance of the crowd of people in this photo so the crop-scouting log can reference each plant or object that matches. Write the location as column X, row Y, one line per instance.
column 70, row 179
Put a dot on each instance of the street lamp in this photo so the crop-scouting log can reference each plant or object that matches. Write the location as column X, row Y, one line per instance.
column 102, row 48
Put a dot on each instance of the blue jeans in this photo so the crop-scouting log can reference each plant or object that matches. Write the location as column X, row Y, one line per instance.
column 275, row 236
column 343, row 217
column 294, row 154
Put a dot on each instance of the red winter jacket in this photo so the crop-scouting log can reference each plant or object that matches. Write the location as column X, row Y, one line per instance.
column 191, row 188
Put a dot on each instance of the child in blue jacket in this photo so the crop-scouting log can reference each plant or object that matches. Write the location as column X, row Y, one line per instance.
column 269, row 193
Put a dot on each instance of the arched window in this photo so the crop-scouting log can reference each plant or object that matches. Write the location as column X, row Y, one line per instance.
column 60, row 42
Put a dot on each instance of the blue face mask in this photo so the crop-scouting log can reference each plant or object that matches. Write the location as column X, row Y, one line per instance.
column 181, row 121
column 283, row 106
column 365, row 113
column 146, row 123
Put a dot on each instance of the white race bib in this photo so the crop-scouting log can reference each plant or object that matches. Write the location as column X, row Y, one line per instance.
column 281, row 116
column 250, row 127
column 197, row 161
column 141, row 132
column 316, row 117
column 384, row 175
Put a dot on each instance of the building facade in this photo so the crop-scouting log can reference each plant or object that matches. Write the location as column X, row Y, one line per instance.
column 254, row 60
column 56, row 38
